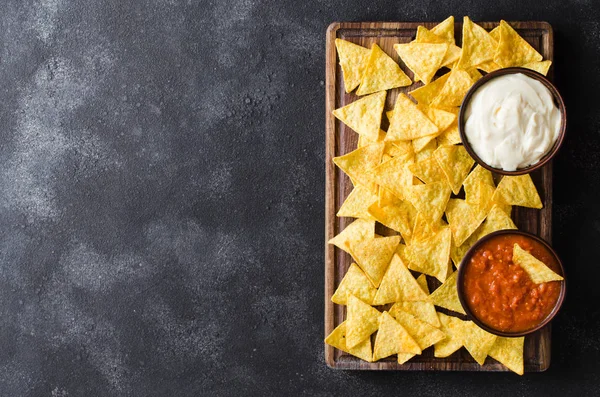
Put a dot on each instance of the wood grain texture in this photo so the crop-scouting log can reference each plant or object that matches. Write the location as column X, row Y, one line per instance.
column 341, row 140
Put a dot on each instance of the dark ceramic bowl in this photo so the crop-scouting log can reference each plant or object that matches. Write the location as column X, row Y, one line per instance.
column 557, row 100
column 467, row 260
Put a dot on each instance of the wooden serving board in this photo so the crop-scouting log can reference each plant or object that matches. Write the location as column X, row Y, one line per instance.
column 340, row 140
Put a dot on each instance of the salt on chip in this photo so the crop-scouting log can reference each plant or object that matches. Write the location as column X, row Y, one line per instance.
column 423, row 333
column 357, row 231
column 361, row 322
column 446, row 295
column 358, row 164
column 409, row 122
column 430, row 256
column 355, row 282
column 353, row 60
column 453, row 327
column 430, row 199
column 393, row 338
column 398, row 284
column 364, row 115
column 518, row 190
column 398, row 216
column 456, row 163
column 381, row 73
column 512, row 49
column 463, row 219
column 337, row 339
column 394, row 175
column 424, row 59
column 477, row 341
column 540, row 67
column 477, row 45
column 357, row 203
column 509, row 352
column 427, row 93
column 374, row 255
column 535, row 268
column 454, row 90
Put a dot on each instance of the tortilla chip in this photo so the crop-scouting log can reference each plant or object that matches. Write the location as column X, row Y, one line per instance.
column 509, row 351
column 424, row 334
column 398, row 284
column 430, row 256
column 445, row 29
column 454, row 90
column 381, row 73
column 409, row 122
column 424, row 228
column 446, row 295
column 394, row 175
column 422, row 281
column 477, row 45
column 399, row 148
column 355, row 282
column 392, row 338
column 452, row 55
column 353, row 60
column 471, row 183
column 358, row 164
column 512, row 49
column 374, row 255
column 398, row 216
column 364, row 141
column 337, row 339
column 362, row 320
column 451, row 136
column 540, row 67
column 535, row 268
column 428, row 171
column 441, row 118
column 454, row 329
column 357, row 231
column 427, row 151
column 489, row 66
column 463, row 219
column 518, row 190
column 429, row 199
column 456, row 163
column 357, row 203
column 424, row 59
column 364, row 115
column 495, row 33
column 427, row 93
column 477, row 341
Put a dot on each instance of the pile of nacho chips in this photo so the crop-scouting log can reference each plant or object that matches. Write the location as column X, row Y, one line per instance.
column 410, row 179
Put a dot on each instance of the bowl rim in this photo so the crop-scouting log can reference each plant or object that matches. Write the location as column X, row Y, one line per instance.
column 461, row 294
column 558, row 101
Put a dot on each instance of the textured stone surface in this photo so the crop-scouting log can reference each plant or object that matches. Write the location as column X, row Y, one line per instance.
column 162, row 195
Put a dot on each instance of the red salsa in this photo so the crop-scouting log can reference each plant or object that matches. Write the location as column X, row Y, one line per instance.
column 500, row 293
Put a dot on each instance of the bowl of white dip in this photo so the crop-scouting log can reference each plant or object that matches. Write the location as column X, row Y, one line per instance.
column 512, row 121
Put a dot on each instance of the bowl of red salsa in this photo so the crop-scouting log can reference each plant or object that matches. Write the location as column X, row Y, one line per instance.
column 499, row 295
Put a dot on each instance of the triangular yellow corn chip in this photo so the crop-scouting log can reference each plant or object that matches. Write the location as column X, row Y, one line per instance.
column 361, row 322
column 422, row 281
column 427, row 151
column 357, row 203
column 408, row 122
column 497, row 219
column 512, row 49
column 454, row 329
column 394, row 175
column 364, row 115
column 398, row 284
column 428, row 171
column 353, row 60
column 456, row 163
column 424, row 228
column 471, row 183
column 355, row 282
column 477, row 341
column 450, row 136
column 426, row 36
column 429, row 199
column 392, row 338
column 441, row 118
column 374, row 255
column 540, row 67
column 454, row 90
column 424, row 311
column 358, row 164
column 518, row 190
column 337, row 339
column 477, row 45
column 509, row 351
column 427, row 93
column 382, row 73
column 398, row 216
column 353, row 233
column 423, row 333
column 430, row 256
column 537, row 270
column 445, row 29
column 463, row 219
column 424, row 59
column 446, row 295
column 364, row 141
column 495, row 33
column 489, row 66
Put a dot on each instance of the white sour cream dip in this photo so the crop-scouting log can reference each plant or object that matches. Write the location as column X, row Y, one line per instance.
column 512, row 121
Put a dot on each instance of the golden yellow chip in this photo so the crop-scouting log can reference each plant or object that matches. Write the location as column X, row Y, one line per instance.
column 392, row 338
column 446, row 295
column 463, row 219
column 518, row 190
column 427, row 151
column 450, row 136
column 474, row 74
column 374, row 255
column 540, row 67
column 364, row 115
column 398, row 284
column 489, row 66
column 454, row 90
column 424, row 59
column 495, row 33
column 357, row 203
column 423, row 333
column 428, row 171
column 424, row 228
column 337, row 339
column 445, row 29
column 427, row 93
column 512, row 49
column 356, row 283
column 398, row 216
column 361, row 322
column 394, row 175
column 381, row 73
column 454, row 330
column 452, row 55
column 400, row 148
column 477, row 341
column 408, row 122
column 441, row 118
column 430, row 256
column 353, row 233
column 364, row 141
column 456, row 163
column 430, row 199
column 509, row 351
column 535, row 268
column 353, row 60
column 358, row 164
column 477, row 45
column 422, row 281
column 471, row 183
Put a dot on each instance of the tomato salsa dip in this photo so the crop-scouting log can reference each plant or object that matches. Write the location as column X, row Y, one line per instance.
column 500, row 293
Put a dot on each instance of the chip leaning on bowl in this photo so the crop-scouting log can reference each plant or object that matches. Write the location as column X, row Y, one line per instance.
column 410, row 179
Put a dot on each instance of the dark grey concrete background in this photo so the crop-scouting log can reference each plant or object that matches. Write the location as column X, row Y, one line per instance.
column 162, row 199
